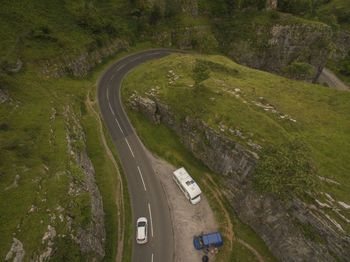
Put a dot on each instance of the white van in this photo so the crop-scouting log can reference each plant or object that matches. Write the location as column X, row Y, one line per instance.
column 187, row 185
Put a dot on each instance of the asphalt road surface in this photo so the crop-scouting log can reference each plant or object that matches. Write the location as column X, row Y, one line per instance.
column 147, row 196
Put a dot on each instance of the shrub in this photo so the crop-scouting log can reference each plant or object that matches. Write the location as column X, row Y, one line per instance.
column 299, row 70
column 286, row 170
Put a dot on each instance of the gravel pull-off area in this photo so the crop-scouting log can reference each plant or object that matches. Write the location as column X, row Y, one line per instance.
column 188, row 220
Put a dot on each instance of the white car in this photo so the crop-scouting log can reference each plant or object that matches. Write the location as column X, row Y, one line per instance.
column 141, row 230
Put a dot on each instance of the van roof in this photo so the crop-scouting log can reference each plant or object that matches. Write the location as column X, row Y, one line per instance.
column 187, row 182
column 212, row 238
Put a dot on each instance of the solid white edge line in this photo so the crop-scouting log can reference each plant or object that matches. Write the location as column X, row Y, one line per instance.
column 152, row 258
column 143, row 182
column 150, row 217
column 119, row 126
column 129, row 147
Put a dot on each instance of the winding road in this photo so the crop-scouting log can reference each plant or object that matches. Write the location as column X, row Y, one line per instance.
column 146, row 193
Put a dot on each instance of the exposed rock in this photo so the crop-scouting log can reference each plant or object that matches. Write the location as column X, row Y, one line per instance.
column 322, row 205
column 4, row 96
column 146, row 106
column 16, row 250
column 14, row 184
column 78, row 65
column 344, row 205
column 197, row 37
column 271, row 4
column 271, row 219
column 45, row 255
column 32, row 209
column 274, row 48
column 49, row 235
column 330, row 181
column 342, row 46
column 91, row 238
column 329, row 197
column 11, row 67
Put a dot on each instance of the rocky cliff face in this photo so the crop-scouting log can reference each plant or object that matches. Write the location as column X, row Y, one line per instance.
column 274, row 48
column 89, row 236
column 341, row 46
column 78, row 65
column 197, row 37
column 280, row 228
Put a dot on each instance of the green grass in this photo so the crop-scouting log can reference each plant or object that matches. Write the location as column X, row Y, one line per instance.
column 321, row 114
column 339, row 10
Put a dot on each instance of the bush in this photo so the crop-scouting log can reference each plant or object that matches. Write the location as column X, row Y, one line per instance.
column 299, row 70
column 345, row 66
column 286, row 170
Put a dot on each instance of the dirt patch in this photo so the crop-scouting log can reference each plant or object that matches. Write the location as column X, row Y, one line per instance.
column 188, row 220
column 228, row 232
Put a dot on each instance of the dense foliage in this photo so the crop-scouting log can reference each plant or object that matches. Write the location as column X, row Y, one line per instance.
column 299, row 70
column 300, row 7
column 286, row 170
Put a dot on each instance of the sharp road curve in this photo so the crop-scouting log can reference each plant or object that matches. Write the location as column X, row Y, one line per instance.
column 147, row 196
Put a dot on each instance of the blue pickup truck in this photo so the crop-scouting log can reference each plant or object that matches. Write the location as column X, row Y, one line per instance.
column 208, row 240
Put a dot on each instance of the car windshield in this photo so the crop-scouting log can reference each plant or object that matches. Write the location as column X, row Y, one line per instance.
column 141, row 224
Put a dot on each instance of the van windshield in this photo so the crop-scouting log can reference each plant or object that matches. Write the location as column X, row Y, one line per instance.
column 194, row 198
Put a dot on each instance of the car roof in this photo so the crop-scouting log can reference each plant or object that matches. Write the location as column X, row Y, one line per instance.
column 141, row 232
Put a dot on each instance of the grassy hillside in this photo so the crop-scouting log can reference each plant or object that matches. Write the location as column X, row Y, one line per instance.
column 36, row 30
column 266, row 108
column 37, row 168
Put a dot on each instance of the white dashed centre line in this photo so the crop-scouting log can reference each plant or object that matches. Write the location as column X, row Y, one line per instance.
column 129, row 146
column 150, row 217
column 152, row 258
column 110, row 108
column 107, row 95
column 143, row 182
column 120, row 128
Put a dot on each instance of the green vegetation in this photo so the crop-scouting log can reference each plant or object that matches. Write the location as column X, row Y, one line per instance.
column 299, row 70
column 285, row 170
column 273, row 110
column 336, row 12
column 40, row 158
